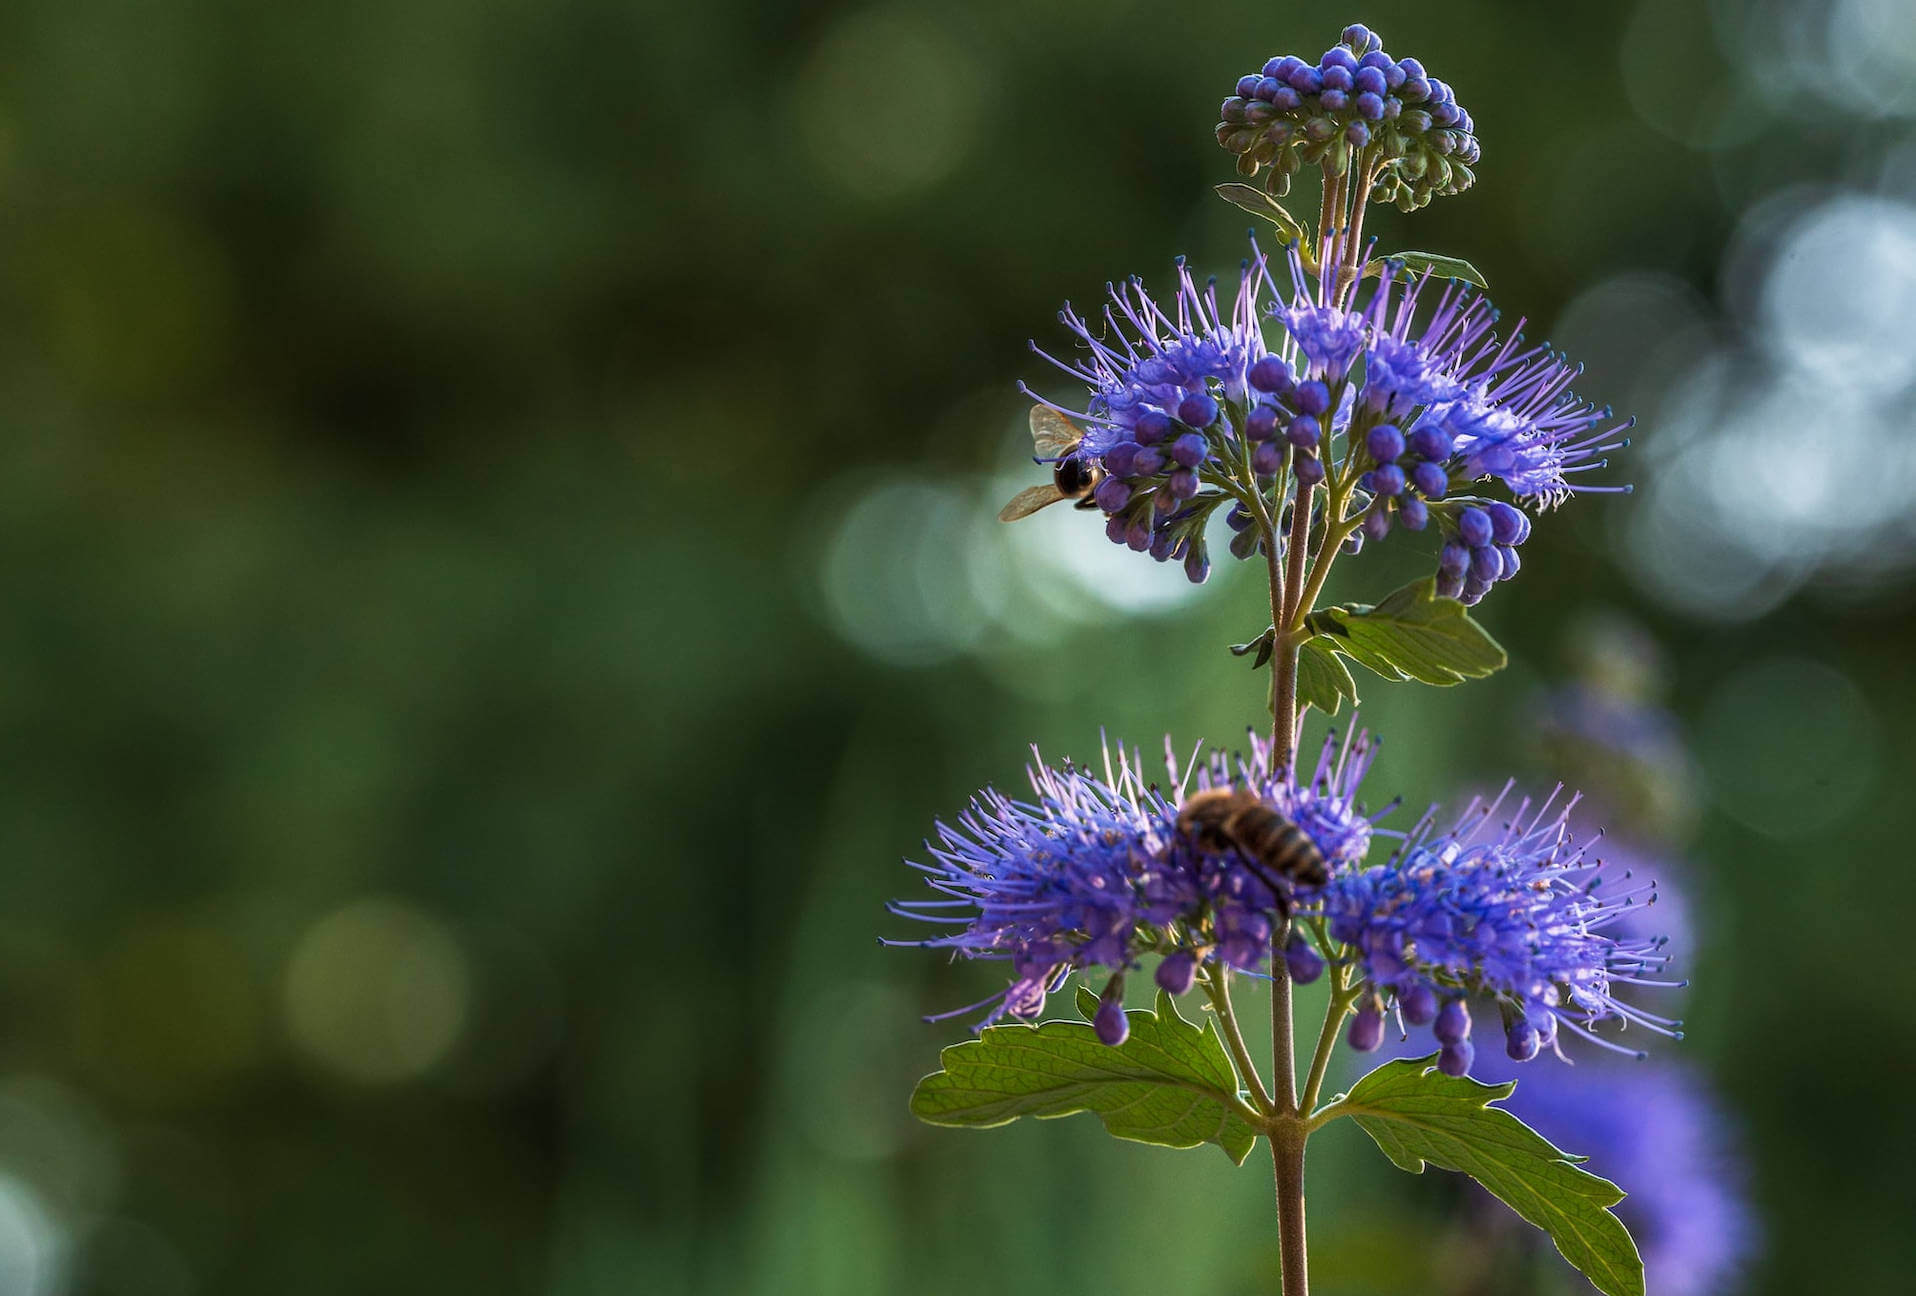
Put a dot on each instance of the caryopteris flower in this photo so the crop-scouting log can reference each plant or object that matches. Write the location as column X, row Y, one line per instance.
column 1095, row 871
column 1436, row 400
column 1658, row 1130
column 1054, row 884
column 1401, row 383
column 1356, row 107
column 1166, row 408
column 1519, row 916
column 1225, row 898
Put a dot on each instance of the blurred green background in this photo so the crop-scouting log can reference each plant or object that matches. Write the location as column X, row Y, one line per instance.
column 495, row 522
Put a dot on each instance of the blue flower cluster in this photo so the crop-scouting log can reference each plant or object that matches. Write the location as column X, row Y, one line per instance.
column 1404, row 126
column 1169, row 419
column 1519, row 916
column 1441, row 399
column 1189, row 408
column 1094, row 872
column 1052, row 884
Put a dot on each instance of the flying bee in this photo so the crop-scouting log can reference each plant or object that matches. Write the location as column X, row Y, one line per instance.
column 1220, row 819
column 1073, row 476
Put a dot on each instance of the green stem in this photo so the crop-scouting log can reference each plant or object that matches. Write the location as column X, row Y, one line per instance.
column 1287, row 1166
column 1217, row 987
column 1287, row 1134
column 1293, row 594
column 1342, row 997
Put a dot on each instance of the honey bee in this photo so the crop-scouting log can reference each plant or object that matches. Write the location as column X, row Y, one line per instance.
column 1073, row 476
column 1219, row 819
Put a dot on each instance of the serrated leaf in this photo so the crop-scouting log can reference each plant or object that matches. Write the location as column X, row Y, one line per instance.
column 1445, row 267
column 1169, row 1083
column 1255, row 201
column 1414, row 634
column 1322, row 678
column 1419, row 1115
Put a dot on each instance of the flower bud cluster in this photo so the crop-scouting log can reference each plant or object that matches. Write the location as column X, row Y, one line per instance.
column 1482, row 549
column 1356, row 103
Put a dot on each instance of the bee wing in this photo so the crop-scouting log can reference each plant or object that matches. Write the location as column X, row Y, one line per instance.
column 1052, row 433
column 1029, row 501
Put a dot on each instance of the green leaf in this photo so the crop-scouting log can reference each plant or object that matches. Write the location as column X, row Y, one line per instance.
column 1414, row 634
column 1418, row 1115
column 1445, row 267
column 1255, row 201
column 1322, row 677
column 1262, row 646
column 1169, row 1083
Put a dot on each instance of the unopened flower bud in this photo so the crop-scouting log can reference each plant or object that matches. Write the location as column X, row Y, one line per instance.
column 1377, row 521
column 1302, row 960
column 1455, row 1059
column 1453, row 1022
column 1177, row 971
column 1367, row 1029
column 1190, row 450
column 1270, row 374
column 1198, row 410
column 1506, row 523
column 1473, row 527
column 1152, row 426
column 1432, row 480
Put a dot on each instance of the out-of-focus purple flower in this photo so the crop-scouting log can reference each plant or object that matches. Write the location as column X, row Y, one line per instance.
column 1657, row 1131
column 1623, row 748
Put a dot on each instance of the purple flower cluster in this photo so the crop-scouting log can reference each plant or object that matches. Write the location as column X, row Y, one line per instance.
column 1187, row 408
column 1052, row 885
column 1236, row 893
column 1518, row 916
column 1436, row 398
column 1167, row 409
column 1354, row 101
column 1094, row 872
